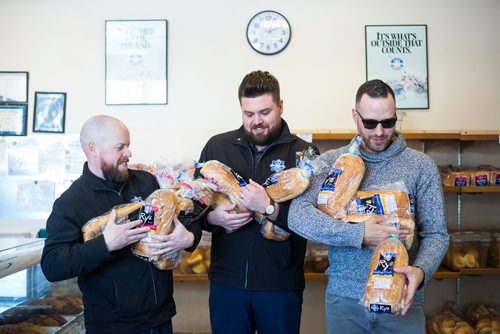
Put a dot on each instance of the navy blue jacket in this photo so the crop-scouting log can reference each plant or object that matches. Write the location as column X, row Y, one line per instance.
column 245, row 259
column 121, row 293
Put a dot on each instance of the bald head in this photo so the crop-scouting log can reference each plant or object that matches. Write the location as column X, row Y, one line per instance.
column 105, row 141
column 98, row 130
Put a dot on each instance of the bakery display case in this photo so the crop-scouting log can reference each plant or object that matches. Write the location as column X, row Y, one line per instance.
column 28, row 302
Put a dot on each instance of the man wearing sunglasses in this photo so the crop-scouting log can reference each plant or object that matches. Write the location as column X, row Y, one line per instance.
column 350, row 245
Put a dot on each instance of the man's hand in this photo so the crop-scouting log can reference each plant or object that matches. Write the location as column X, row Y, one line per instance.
column 179, row 239
column 226, row 217
column 376, row 231
column 118, row 236
column 414, row 276
column 254, row 197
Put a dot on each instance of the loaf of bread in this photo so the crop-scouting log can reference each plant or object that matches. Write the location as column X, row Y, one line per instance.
column 480, row 177
column 224, row 178
column 269, row 230
column 383, row 202
column 384, row 291
column 453, row 176
column 405, row 222
column 157, row 213
column 94, row 227
column 287, row 184
column 341, row 185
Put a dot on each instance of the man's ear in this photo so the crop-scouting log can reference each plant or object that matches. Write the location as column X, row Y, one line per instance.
column 92, row 148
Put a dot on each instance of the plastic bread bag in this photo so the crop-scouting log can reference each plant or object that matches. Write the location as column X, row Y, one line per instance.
column 269, row 230
column 157, row 213
column 392, row 220
column 170, row 174
column 199, row 196
column 385, row 289
column 383, row 200
column 450, row 320
column 453, row 176
column 224, row 179
column 342, row 182
column 95, row 226
column 286, row 184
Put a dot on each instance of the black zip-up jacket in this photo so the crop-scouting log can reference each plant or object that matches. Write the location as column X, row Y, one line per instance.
column 121, row 293
column 244, row 259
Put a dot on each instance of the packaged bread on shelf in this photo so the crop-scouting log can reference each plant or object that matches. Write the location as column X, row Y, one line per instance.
column 157, row 213
column 453, row 176
column 384, row 291
column 94, row 227
column 342, row 182
column 480, row 177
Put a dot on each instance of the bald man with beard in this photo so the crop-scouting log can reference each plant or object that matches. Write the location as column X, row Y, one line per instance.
column 121, row 292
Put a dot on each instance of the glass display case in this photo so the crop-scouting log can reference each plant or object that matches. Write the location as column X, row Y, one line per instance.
column 28, row 302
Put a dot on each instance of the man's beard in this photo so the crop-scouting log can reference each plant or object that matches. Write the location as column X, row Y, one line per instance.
column 264, row 140
column 112, row 173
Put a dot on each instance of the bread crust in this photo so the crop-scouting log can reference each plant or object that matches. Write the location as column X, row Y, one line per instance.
column 341, row 185
column 94, row 227
column 164, row 201
column 287, row 184
column 384, row 291
column 223, row 177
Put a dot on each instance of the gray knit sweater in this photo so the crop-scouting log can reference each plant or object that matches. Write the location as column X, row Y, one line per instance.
column 349, row 259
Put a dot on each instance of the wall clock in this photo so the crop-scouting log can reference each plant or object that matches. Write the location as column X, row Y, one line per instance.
column 268, row 32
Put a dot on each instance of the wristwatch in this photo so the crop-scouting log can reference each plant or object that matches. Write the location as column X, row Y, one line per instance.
column 269, row 209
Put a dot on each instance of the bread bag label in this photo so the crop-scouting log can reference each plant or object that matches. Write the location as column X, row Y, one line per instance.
column 238, row 177
column 383, row 279
column 376, row 204
column 328, row 186
column 481, row 180
column 147, row 215
column 273, row 179
column 460, row 181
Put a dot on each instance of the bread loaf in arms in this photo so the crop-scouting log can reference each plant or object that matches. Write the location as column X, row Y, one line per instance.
column 341, row 185
column 287, row 184
column 384, row 291
column 383, row 202
column 157, row 213
column 94, row 227
column 224, row 178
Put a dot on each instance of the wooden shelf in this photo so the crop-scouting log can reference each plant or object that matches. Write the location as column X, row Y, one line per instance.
column 472, row 189
column 465, row 135
column 442, row 273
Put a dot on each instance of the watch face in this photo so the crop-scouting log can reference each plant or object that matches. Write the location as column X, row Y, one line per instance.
column 269, row 210
column 268, row 32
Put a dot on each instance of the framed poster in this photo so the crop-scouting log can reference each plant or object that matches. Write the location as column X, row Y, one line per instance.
column 136, row 62
column 50, row 112
column 397, row 55
column 13, row 87
column 13, row 120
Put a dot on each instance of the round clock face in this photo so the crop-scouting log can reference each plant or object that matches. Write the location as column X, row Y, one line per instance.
column 268, row 32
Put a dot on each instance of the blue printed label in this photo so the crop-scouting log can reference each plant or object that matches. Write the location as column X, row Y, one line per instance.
column 380, row 308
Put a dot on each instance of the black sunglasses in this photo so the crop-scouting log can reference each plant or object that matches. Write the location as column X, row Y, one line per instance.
column 373, row 123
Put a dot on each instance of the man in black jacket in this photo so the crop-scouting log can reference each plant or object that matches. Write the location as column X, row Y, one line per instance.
column 256, row 283
column 121, row 292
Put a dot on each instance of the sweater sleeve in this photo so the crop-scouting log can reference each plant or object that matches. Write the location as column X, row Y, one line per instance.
column 430, row 220
column 64, row 255
column 305, row 219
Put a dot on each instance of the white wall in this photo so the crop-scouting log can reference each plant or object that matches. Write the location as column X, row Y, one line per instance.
column 61, row 44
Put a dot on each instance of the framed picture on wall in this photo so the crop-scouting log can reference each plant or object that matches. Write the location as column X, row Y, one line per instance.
column 13, row 120
column 50, row 112
column 14, row 87
column 136, row 62
column 397, row 54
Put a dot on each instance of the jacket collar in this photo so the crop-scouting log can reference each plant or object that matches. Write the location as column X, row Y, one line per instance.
column 96, row 182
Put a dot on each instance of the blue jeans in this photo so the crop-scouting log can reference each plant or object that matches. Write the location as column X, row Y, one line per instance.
column 238, row 311
column 347, row 315
column 165, row 328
